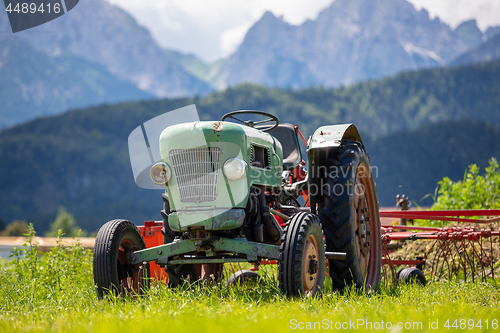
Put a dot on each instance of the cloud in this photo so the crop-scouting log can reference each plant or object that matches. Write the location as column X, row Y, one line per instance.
column 454, row 12
column 214, row 29
column 232, row 38
column 211, row 29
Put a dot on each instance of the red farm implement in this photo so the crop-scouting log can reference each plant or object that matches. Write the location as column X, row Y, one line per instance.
column 468, row 249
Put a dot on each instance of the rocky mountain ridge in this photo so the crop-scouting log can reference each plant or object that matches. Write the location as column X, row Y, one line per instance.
column 350, row 41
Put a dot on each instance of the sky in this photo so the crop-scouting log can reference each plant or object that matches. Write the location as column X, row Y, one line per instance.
column 213, row 29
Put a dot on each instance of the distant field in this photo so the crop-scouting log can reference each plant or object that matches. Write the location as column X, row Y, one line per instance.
column 55, row 293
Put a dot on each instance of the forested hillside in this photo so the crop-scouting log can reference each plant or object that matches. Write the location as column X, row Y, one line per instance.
column 406, row 101
column 413, row 162
column 80, row 160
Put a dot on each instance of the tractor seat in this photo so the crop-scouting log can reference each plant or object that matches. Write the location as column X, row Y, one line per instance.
column 287, row 136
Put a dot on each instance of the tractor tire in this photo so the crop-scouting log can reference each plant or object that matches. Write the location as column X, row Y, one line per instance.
column 411, row 275
column 243, row 276
column 301, row 268
column 112, row 275
column 348, row 210
column 180, row 274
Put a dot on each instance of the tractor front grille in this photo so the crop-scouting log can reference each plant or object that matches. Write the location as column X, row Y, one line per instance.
column 196, row 172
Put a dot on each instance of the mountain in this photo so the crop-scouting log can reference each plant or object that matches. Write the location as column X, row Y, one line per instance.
column 102, row 33
column 350, row 41
column 487, row 51
column 197, row 67
column 33, row 84
column 100, row 54
column 469, row 33
column 491, row 32
column 417, row 127
column 96, row 47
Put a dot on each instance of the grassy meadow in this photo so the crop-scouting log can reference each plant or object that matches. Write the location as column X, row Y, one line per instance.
column 54, row 292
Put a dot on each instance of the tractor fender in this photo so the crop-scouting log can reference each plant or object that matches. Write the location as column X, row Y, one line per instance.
column 333, row 135
column 319, row 144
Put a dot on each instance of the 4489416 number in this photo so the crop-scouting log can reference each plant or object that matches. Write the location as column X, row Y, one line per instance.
column 33, row 8
column 471, row 324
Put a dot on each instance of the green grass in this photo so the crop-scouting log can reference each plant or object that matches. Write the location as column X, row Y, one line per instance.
column 55, row 293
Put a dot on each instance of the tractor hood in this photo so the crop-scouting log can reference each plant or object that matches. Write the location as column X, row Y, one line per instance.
column 196, row 153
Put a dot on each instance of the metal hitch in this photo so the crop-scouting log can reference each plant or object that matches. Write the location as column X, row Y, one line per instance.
column 232, row 248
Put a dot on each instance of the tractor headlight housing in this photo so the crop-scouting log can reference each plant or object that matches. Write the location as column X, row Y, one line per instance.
column 160, row 173
column 234, row 169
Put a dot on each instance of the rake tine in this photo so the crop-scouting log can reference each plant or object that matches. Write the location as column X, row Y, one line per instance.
column 492, row 254
column 467, row 258
column 471, row 244
column 232, row 268
column 442, row 255
column 445, row 258
column 480, row 261
column 391, row 265
column 459, row 258
column 463, row 258
column 481, row 246
column 458, row 255
column 448, row 251
column 489, row 262
column 434, row 262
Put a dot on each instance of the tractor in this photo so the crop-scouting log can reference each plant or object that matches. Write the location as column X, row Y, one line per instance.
column 239, row 190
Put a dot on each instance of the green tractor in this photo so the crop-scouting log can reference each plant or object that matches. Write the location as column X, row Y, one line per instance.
column 240, row 191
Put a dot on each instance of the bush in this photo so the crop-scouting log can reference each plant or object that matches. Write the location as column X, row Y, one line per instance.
column 473, row 192
column 16, row 228
column 64, row 223
column 56, row 275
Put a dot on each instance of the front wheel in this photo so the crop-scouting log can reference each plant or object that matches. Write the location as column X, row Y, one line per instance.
column 302, row 261
column 112, row 274
column 348, row 210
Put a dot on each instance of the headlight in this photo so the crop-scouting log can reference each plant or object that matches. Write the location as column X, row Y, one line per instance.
column 160, row 173
column 234, row 168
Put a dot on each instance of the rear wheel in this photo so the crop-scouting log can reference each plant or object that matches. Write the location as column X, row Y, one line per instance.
column 243, row 276
column 179, row 274
column 112, row 274
column 302, row 261
column 349, row 214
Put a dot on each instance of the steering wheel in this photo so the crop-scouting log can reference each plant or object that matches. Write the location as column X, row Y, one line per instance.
column 250, row 123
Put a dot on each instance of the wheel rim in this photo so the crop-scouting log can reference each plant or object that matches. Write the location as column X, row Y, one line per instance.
column 366, row 226
column 310, row 267
column 132, row 284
